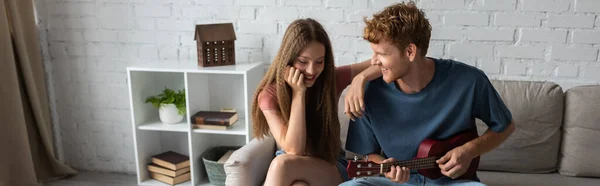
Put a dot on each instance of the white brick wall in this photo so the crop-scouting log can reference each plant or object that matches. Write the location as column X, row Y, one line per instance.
column 90, row 42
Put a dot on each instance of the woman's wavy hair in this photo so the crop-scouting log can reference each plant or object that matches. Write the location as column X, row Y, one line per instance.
column 322, row 124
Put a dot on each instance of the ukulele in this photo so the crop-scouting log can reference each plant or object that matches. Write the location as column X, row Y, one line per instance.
column 429, row 151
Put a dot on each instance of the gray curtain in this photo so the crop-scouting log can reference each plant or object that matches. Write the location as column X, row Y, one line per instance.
column 27, row 154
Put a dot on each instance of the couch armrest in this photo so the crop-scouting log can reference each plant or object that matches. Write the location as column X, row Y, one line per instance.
column 249, row 164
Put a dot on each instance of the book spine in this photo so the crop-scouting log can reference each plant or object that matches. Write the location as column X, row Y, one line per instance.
column 210, row 121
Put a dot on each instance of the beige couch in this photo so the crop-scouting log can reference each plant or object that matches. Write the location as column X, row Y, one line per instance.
column 555, row 143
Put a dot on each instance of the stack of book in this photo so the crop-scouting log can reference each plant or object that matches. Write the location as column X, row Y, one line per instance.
column 170, row 167
column 216, row 120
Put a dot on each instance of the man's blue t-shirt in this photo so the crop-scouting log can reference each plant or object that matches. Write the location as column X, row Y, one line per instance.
column 397, row 123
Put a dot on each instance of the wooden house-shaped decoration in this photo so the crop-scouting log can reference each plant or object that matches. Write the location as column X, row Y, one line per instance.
column 216, row 44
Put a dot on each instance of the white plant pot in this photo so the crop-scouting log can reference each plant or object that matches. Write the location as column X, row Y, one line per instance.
column 168, row 114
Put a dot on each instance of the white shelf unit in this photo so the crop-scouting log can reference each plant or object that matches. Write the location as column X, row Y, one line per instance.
column 207, row 88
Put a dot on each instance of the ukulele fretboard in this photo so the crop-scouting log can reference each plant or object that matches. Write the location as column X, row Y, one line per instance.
column 421, row 163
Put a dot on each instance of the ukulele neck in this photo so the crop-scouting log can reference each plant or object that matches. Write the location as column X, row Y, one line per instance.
column 422, row 163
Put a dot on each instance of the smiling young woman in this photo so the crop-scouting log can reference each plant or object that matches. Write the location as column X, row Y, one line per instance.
column 296, row 104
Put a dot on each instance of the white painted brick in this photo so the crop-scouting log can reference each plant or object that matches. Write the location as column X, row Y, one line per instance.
column 302, row 3
column 278, row 13
column 574, row 54
column 96, row 126
column 434, row 17
column 203, row 12
column 89, row 23
column 344, row 59
column 447, row 33
column 228, row 13
column 362, row 46
column 490, row 67
column 339, row 3
column 325, row 15
column 136, row 37
column 544, row 36
column 76, row 49
column 58, row 50
column 545, row 5
column 116, row 22
column 343, row 29
column 256, row 57
column 592, row 73
column 219, row 2
column 343, row 44
column 102, row 49
column 118, row 10
column 567, row 70
column 242, row 56
column 597, row 25
column 62, row 23
column 470, row 50
column 358, row 4
column 74, row 9
column 490, row 34
column 468, row 19
column 249, row 41
column 65, row 35
column 175, row 25
column 256, row 2
column 184, row 54
column 152, row 11
column 106, row 152
column 515, row 69
column 148, row 52
column 105, row 138
column 436, row 50
column 100, row 35
column 586, row 37
column 257, row 28
column 530, row 52
column 571, row 21
column 512, row 19
column 106, row 65
column 587, row 6
column 170, row 38
column 247, row 13
column 146, row 24
column 187, row 39
column 543, row 69
column 495, row 5
column 358, row 15
column 107, row 114
column 442, row 4
column 168, row 53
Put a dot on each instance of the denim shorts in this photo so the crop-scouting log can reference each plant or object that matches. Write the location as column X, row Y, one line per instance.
column 341, row 163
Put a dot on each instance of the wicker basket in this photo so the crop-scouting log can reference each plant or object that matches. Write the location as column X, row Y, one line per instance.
column 216, row 171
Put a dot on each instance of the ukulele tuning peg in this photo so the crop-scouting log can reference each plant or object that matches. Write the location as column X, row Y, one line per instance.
column 366, row 158
column 355, row 158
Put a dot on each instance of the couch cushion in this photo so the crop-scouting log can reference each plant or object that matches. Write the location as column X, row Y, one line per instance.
column 580, row 149
column 516, row 179
column 537, row 110
column 249, row 164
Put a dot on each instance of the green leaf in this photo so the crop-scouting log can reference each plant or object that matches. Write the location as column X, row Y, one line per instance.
column 169, row 96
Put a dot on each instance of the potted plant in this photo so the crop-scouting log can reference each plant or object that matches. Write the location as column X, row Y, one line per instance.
column 170, row 104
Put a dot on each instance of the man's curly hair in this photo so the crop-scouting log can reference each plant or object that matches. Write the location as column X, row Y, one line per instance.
column 400, row 24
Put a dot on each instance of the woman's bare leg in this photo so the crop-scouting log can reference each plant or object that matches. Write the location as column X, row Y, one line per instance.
column 286, row 169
